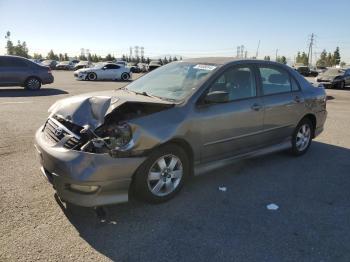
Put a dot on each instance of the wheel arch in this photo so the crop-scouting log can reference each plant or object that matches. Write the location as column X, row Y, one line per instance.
column 313, row 120
column 31, row 76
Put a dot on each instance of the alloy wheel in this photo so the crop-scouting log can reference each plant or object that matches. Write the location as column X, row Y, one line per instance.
column 303, row 137
column 165, row 175
column 33, row 84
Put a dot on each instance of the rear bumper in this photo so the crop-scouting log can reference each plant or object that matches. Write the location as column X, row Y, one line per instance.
column 63, row 167
column 48, row 80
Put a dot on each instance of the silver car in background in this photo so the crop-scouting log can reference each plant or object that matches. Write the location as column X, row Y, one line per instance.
column 173, row 122
column 104, row 71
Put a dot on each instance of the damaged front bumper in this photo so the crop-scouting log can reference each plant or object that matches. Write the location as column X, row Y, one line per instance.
column 80, row 76
column 71, row 172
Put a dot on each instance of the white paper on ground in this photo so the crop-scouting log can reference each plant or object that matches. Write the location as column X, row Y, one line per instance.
column 272, row 206
column 222, row 188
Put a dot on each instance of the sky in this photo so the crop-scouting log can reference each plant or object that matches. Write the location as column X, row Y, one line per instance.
column 181, row 27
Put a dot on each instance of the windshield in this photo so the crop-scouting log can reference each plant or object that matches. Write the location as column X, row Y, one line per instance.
column 174, row 81
column 333, row 72
column 99, row 65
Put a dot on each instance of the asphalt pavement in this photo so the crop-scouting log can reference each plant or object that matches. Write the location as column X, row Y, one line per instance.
column 203, row 223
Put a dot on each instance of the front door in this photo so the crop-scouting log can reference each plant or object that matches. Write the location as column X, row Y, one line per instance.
column 230, row 126
column 110, row 72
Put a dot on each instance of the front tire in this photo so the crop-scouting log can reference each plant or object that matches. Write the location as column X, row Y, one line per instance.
column 32, row 84
column 302, row 137
column 92, row 76
column 162, row 175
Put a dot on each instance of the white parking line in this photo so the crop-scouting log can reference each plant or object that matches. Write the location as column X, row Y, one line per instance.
column 18, row 102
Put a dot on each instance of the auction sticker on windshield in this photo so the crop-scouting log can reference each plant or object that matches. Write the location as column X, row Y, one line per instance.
column 205, row 67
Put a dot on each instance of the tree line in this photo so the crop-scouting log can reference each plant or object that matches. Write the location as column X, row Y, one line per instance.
column 326, row 59
column 279, row 59
column 21, row 49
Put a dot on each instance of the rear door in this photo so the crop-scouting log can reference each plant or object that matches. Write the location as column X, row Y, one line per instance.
column 283, row 100
column 13, row 70
column 231, row 127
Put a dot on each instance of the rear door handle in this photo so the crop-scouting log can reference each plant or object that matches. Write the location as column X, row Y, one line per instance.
column 256, row 107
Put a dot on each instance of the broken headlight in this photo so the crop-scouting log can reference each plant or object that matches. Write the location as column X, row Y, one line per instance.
column 118, row 136
column 109, row 138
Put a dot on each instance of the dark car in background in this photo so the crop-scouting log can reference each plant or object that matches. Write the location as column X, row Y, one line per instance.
column 154, row 65
column 65, row 65
column 134, row 68
column 50, row 63
column 334, row 77
column 19, row 71
column 306, row 71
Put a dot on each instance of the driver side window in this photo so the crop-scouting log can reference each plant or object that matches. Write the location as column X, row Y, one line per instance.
column 238, row 82
column 111, row 66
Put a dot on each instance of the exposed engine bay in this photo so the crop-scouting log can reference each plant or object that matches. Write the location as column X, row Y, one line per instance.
column 114, row 136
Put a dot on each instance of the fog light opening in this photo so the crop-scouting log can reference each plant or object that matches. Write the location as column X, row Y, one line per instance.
column 84, row 189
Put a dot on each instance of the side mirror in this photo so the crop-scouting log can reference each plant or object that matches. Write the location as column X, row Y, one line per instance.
column 104, row 68
column 216, row 97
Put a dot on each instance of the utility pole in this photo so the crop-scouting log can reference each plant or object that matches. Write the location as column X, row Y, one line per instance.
column 309, row 56
column 257, row 51
column 242, row 51
column 238, row 51
column 276, row 54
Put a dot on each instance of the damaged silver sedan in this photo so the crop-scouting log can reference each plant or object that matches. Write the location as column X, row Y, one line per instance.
column 181, row 119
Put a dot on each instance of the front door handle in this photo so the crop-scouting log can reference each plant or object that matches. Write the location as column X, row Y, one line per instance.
column 297, row 99
column 256, row 107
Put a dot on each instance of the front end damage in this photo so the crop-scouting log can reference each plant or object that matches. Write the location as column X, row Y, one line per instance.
column 91, row 145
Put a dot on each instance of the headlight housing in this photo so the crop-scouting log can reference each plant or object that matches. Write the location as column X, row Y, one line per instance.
column 110, row 138
column 118, row 136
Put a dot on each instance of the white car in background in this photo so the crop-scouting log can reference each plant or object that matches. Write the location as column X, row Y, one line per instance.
column 104, row 71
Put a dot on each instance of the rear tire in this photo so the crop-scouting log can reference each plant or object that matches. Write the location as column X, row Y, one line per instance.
column 32, row 84
column 92, row 76
column 162, row 175
column 125, row 76
column 342, row 85
column 302, row 137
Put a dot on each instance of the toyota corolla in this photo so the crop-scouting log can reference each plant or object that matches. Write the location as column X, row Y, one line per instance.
column 174, row 122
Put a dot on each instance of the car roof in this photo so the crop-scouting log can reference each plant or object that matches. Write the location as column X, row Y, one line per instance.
column 14, row 56
column 212, row 60
column 227, row 60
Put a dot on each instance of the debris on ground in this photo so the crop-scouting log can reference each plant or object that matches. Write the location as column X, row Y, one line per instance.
column 222, row 188
column 272, row 206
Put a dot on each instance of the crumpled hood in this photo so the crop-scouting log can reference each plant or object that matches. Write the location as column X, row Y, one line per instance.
column 91, row 108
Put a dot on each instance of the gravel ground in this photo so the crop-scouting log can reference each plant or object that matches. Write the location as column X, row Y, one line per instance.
column 202, row 223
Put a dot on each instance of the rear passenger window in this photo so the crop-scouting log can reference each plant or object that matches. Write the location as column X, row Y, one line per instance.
column 12, row 62
column 274, row 80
